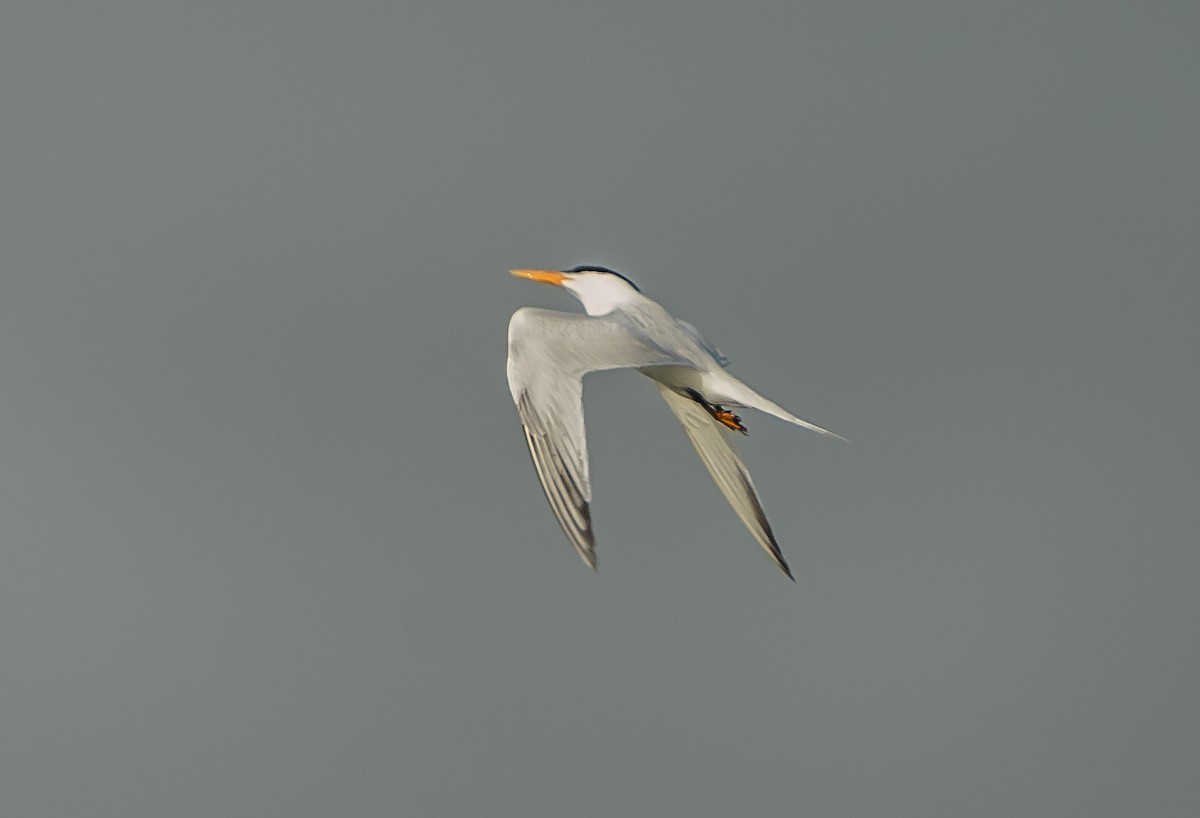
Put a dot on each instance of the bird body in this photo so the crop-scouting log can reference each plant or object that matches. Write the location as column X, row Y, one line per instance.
column 549, row 352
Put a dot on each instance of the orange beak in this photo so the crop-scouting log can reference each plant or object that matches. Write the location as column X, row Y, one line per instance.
column 544, row 276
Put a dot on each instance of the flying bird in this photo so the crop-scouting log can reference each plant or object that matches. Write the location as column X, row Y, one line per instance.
column 549, row 352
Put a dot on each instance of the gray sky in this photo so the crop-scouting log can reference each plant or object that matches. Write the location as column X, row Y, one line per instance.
column 271, row 544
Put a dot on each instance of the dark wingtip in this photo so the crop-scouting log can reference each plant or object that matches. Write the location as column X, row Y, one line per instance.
column 589, row 556
column 783, row 566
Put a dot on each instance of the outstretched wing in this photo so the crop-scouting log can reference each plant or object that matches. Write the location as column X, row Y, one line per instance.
column 548, row 354
column 712, row 442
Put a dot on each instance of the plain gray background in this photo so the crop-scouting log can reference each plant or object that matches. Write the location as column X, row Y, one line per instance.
column 271, row 541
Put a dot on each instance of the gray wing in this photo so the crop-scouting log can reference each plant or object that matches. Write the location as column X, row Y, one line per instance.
column 705, row 344
column 548, row 354
column 712, row 442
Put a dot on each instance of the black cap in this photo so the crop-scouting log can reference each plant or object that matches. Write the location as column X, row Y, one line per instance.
column 591, row 268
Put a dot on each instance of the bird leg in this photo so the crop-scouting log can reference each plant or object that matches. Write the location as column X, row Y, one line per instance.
column 719, row 413
column 730, row 419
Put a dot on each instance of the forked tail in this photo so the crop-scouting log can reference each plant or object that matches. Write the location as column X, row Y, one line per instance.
column 745, row 396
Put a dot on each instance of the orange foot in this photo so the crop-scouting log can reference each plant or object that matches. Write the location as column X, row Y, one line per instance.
column 730, row 419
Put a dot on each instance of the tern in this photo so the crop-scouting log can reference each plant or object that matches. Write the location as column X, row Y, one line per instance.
column 549, row 352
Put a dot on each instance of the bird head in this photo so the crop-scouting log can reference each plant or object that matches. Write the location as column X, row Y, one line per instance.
column 599, row 289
